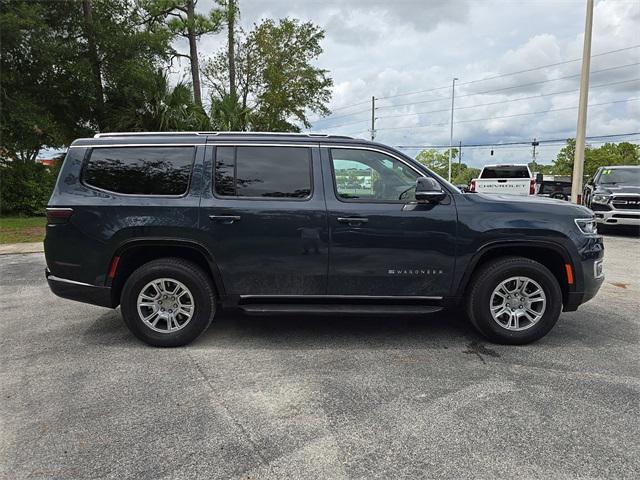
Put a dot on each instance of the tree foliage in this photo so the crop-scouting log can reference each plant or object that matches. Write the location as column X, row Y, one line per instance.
column 623, row 153
column 275, row 78
column 180, row 19
column 47, row 71
column 438, row 162
column 25, row 187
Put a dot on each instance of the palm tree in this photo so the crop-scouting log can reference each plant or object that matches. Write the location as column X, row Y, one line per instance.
column 228, row 114
column 158, row 107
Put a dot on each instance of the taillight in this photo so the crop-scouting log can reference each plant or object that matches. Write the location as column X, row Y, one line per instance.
column 532, row 187
column 57, row 216
column 472, row 187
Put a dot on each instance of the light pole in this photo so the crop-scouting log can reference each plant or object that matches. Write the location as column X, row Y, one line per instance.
column 453, row 95
column 578, row 161
column 373, row 118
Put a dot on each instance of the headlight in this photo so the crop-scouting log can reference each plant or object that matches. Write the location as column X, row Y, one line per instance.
column 599, row 198
column 587, row 226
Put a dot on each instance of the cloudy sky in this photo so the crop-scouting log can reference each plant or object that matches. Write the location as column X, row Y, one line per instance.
column 392, row 48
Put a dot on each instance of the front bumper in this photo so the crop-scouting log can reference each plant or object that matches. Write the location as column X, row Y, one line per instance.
column 591, row 265
column 618, row 217
column 80, row 292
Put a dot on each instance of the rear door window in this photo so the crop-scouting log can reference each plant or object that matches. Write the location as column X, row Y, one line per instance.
column 505, row 172
column 266, row 172
column 140, row 170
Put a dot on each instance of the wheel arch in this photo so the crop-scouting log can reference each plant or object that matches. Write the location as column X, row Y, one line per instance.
column 550, row 254
column 134, row 253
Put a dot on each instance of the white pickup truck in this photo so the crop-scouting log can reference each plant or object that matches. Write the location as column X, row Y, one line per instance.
column 506, row 179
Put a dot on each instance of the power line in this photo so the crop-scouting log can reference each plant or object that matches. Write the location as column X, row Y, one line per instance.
column 512, row 99
column 509, row 116
column 332, row 117
column 509, row 74
column 539, row 82
column 519, row 142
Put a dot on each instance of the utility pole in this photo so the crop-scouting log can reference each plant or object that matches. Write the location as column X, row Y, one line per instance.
column 453, row 95
column 373, row 118
column 578, row 161
column 534, row 144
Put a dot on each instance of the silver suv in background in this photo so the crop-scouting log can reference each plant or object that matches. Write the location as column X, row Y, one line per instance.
column 614, row 195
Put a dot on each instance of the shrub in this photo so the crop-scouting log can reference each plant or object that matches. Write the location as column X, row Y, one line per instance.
column 25, row 187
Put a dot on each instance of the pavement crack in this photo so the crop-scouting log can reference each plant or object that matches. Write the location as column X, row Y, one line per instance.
column 254, row 446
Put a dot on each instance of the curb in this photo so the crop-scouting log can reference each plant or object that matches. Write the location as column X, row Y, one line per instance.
column 17, row 248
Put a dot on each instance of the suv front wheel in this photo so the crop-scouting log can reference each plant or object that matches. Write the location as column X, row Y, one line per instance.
column 168, row 302
column 514, row 300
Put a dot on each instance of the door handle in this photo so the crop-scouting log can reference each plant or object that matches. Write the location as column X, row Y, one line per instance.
column 225, row 219
column 353, row 220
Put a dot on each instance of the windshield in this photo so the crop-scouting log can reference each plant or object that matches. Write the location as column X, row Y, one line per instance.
column 505, row 172
column 620, row 176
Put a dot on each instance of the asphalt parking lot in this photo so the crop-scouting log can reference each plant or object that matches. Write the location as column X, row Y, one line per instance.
column 326, row 398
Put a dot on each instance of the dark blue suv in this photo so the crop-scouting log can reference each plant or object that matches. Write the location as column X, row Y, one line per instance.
column 174, row 226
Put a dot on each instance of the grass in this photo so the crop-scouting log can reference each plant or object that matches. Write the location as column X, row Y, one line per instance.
column 22, row 229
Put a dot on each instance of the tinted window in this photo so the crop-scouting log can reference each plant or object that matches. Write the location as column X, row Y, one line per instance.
column 276, row 172
column 368, row 175
column 140, row 170
column 505, row 172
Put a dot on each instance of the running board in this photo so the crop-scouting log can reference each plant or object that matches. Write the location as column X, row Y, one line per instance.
column 320, row 309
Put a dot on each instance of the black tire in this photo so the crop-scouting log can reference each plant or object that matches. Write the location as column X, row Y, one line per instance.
column 184, row 271
column 489, row 276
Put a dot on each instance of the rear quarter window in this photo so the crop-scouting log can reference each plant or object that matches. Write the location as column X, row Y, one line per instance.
column 140, row 170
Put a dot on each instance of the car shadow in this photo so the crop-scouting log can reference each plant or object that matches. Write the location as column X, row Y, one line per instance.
column 236, row 330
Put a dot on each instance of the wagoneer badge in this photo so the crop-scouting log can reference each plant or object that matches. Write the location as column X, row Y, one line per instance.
column 419, row 271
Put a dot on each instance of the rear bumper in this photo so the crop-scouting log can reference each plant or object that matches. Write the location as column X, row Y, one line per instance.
column 618, row 217
column 80, row 292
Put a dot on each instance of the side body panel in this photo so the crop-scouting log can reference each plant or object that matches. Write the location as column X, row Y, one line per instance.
column 402, row 249
column 277, row 246
column 102, row 222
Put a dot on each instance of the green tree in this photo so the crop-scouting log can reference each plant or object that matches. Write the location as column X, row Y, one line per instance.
column 623, row 153
column 44, row 95
column 158, row 107
column 464, row 174
column 228, row 114
column 180, row 18
column 62, row 65
column 275, row 78
column 438, row 162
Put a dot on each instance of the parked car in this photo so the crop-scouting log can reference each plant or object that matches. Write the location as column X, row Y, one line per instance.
column 554, row 186
column 173, row 227
column 505, row 179
column 614, row 195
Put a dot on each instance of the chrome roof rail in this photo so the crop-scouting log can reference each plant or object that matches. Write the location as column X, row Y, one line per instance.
column 169, row 134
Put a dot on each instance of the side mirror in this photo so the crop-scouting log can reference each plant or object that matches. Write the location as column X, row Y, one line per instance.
column 428, row 190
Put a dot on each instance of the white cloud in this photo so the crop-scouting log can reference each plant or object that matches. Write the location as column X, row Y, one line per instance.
column 383, row 48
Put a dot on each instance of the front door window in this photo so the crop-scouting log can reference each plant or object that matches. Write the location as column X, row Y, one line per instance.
column 368, row 176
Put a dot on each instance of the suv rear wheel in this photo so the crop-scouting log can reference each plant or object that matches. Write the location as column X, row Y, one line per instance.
column 168, row 302
column 514, row 300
